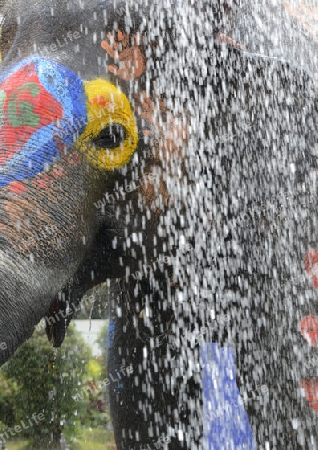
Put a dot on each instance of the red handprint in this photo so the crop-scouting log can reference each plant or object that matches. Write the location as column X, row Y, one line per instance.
column 129, row 62
column 170, row 130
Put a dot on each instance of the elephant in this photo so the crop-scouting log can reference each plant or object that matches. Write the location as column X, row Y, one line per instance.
column 142, row 146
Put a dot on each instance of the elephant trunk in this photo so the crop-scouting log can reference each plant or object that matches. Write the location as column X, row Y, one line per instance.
column 24, row 290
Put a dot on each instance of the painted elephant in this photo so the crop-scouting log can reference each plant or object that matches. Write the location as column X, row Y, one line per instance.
column 141, row 146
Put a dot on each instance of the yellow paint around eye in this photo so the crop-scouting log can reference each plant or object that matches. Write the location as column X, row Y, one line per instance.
column 107, row 105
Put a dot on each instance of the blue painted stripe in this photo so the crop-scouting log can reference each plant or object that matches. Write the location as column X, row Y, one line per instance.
column 111, row 332
column 225, row 421
column 114, row 374
column 68, row 89
column 40, row 151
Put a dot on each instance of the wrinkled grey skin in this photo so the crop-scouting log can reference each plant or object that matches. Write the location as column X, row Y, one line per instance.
column 226, row 207
column 69, row 205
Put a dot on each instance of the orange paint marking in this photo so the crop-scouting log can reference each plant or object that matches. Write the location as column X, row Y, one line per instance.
column 58, row 172
column 129, row 61
column 101, row 101
column 311, row 392
column 61, row 147
column 74, row 159
column 309, row 329
column 311, row 266
column 42, row 181
column 223, row 38
column 17, row 187
column 172, row 132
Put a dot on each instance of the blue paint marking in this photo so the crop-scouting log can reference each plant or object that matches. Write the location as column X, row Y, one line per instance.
column 225, row 421
column 41, row 150
column 111, row 332
column 64, row 81
column 114, row 375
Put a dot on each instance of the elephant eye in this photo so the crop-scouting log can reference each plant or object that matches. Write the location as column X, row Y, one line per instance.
column 111, row 136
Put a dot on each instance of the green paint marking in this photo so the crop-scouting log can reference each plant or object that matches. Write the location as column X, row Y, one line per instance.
column 21, row 112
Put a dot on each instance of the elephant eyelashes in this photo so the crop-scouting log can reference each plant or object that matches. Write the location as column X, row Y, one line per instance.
column 112, row 136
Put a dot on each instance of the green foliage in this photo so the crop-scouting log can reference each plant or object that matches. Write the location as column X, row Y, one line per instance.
column 40, row 379
column 96, row 414
column 101, row 340
column 62, row 384
column 8, row 391
column 95, row 440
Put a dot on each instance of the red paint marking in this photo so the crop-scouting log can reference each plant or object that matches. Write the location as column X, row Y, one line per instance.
column 17, row 187
column 61, row 147
column 227, row 40
column 74, row 159
column 311, row 392
column 101, row 101
column 311, row 266
column 309, row 329
column 42, row 181
column 43, row 104
column 58, row 172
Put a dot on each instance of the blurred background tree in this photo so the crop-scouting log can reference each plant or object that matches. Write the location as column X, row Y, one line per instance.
column 8, row 391
column 102, row 343
column 63, row 384
column 41, row 379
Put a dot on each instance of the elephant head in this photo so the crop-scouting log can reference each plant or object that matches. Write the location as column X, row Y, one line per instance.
column 72, row 159
column 86, row 141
